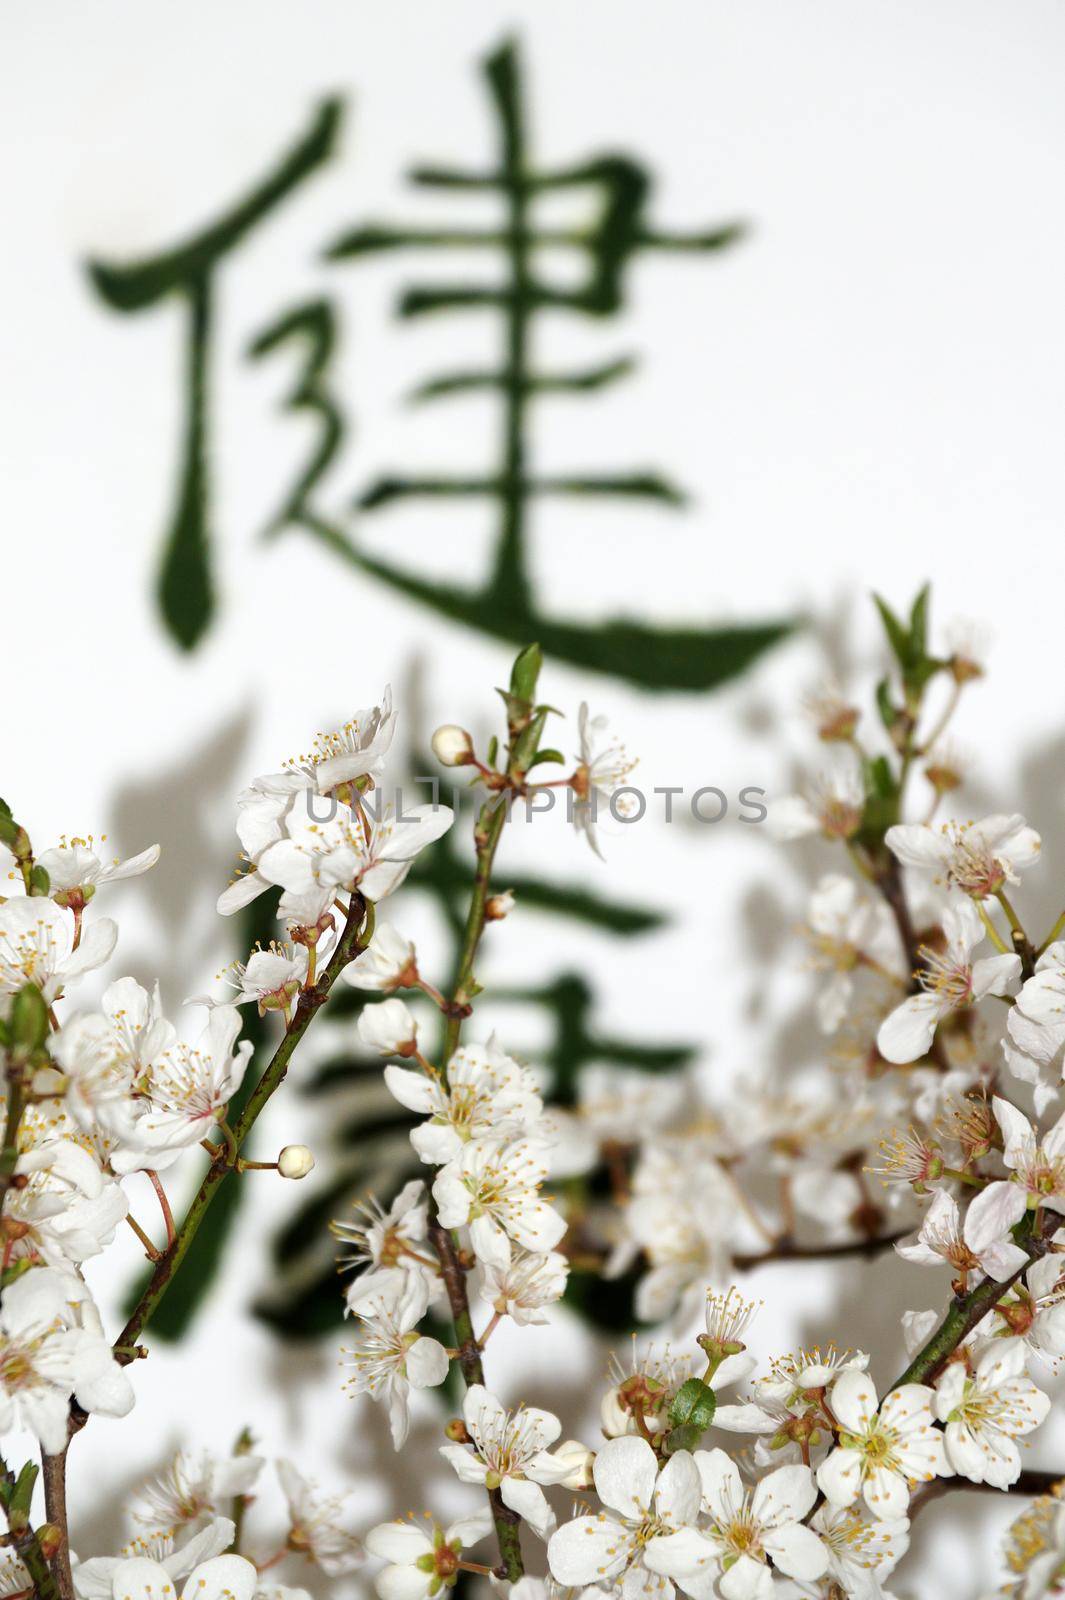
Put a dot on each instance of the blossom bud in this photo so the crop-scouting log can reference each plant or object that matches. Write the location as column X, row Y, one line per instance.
column 452, row 746
column 50, row 1539
column 456, row 1431
column 388, row 1028
column 29, row 1019
column 579, row 1459
column 295, row 1161
column 498, row 906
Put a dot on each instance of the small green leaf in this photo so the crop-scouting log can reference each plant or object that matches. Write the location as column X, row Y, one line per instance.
column 686, row 1438
column 40, row 882
column 526, row 672
column 885, row 705
column 919, row 625
column 548, row 755
column 693, row 1405
column 898, row 636
column 29, row 1019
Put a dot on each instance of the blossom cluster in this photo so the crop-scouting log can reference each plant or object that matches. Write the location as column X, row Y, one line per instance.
column 931, row 1128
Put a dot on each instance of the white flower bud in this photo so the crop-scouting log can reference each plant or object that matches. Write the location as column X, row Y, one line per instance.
column 388, row 1028
column 499, row 905
column 452, row 746
column 295, row 1161
column 579, row 1459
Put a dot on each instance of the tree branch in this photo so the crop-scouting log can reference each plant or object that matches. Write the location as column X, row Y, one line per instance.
column 356, row 935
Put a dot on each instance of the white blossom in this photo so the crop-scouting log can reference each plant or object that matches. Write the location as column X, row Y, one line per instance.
column 391, row 1245
column 511, row 1453
column 984, row 1413
column 193, row 1487
column 747, row 1529
column 52, row 1348
column 603, row 769
column 494, row 1186
column 881, row 1453
column 972, row 1244
column 37, row 946
column 422, row 1562
column 347, row 848
column 487, row 1095
column 523, row 1286
column 390, row 1357
column 950, row 981
column 75, row 870
column 979, row 858
column 319, row 1524
column 641, row 1504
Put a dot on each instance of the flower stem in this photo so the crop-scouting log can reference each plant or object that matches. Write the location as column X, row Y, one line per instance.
column 55, row 1504
column 356, row 935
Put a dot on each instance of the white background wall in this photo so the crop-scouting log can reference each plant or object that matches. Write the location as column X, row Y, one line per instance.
column 866, row 393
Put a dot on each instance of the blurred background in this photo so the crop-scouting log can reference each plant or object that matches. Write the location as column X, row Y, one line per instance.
column 367, row 344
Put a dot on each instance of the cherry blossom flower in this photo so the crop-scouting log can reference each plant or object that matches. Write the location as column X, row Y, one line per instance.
column 950, row 981
column 188, row 1089
column 494, row 1187
column 881, row 1453
column 784, row 1392
column 37, row 946
column 1036, row 1025
column 510, row 1453
column 75, row 871
column 220, row 1578
column 1034, row 1309
column 391, row 1244
column 1037, row 1165
column 641, row 1505
column 862, row 1550
column 349, row 849
column 974, row 1244
column 645, row 1388
column 834, row 808
column 52, row 1348
column 682, row 1217
column 422, row 1562
column 488, row 1094
column 354, row 752
column 106, row 1055
column 68, row 1209
column 984, row 1413
column 844, row 929
column 261, row 812
column 525, row 1285
column 161, row 1562
column 193, row 1487
column 389, row 962
column 603, row 769
column 270, row 979
column 978, row 858
column 390, row 1356
column 1035, row 1550
column 747, row 1529
column 318, row 1523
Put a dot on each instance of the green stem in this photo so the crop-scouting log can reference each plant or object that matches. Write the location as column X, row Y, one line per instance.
column 966, row 1311
column 15, row 1495
column 1055, row 933
column 992, row 932
column 525, row 725
column 356, row 935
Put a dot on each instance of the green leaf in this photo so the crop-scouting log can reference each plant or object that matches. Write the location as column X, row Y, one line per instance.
column 548, row 755
column 898, row 636
column 693, row 1405
column 919, row 624
column 885, row 705
column 685, row 1438
column 525, row 673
